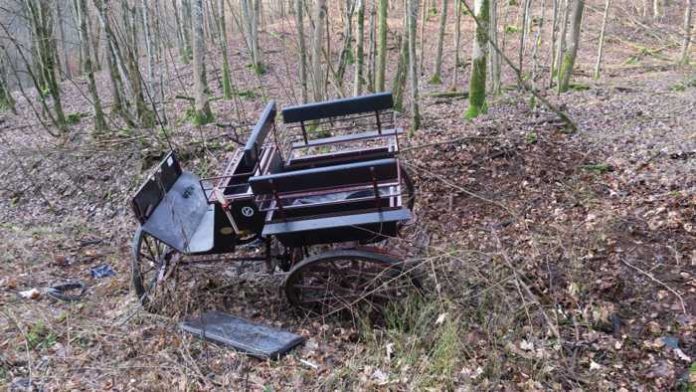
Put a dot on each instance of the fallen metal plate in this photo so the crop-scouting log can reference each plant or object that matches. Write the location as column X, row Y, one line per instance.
column 256, row 340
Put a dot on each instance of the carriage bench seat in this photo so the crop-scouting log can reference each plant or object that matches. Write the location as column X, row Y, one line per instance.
column 360, row 215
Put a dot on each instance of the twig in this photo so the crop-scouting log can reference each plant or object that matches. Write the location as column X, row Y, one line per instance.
column 658, row 281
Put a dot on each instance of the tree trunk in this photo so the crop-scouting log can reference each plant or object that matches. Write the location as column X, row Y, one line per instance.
column 359, row 49
column 63, row 43
column 299, row 21
column 42, row 27
column 399, row 83
column 572, row 44
column 424, row 14
column 381, row 46
column 437, row 77
column 564, row 9
column 222, row 27
column 371, row 68
column 99, row 121
column 347, row 40
column 687, row 32
column 525, row 32
column 477, row 82
column 148, row 43
column 317, row 74
column 413, row 64
column 186, row 26
column 602, row 32
column 6, row 100
column 457, row 43
column 203, row 114
column 495, row 62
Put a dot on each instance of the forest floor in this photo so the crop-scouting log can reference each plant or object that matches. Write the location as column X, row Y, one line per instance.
column 554, row 260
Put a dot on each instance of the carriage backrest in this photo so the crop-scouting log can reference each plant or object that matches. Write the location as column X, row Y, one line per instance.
column 252, row 149
column 338, row 108
column 336, row 176
column 155, row 187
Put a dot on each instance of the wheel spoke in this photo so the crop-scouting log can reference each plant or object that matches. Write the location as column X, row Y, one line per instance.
column 343, row 280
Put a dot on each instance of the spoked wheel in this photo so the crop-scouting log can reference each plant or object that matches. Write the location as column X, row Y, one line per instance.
column 346, row 281
column 153, row 264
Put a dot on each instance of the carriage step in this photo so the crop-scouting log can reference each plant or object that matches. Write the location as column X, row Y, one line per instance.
column 254, row 339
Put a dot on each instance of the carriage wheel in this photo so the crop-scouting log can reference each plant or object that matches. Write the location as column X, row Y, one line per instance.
column 153, row 263
column 408, row 191
column 343, row 281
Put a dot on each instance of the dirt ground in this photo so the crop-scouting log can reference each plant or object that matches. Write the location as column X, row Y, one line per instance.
column 553, row 260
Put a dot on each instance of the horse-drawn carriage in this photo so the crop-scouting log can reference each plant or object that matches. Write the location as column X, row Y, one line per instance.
column 319, row 194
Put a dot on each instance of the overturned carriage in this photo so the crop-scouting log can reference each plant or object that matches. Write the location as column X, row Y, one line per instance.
column 315, row 192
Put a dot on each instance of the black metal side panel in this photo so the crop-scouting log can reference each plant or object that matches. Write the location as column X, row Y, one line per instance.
column 258, row 135
column 368, row 233
column 338, row 107
column 155, row 187
column 179, row 215
column 256, row 340
column 325, row 177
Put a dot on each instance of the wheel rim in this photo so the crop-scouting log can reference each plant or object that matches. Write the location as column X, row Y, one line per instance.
column 347, row 281
column 154, row 263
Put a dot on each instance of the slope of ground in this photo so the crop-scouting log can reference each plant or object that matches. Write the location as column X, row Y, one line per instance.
column 552, row 260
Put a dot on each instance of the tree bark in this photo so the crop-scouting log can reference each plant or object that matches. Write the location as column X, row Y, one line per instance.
column 42, row 26
column 437, row 77
column 457, row 43
column 372, row 55
column 495, row 64
column 402, row 69
column 381, row 46
column 302, row 47
column 222, row 26
column 359, row 49
column 687, row 32
column 413, row 64
column 602, row 32
column 99, row 121
column 572, row 44
column 477, row 82
column 148, row 43
column 347, row 41
column 317, row 74
column 203, row 114
column 64, row 49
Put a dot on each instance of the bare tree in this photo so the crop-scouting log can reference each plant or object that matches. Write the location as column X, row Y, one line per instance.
column 359, row 48
column 99, row 121
column 477, row 82
column 203, row 113
column 6, row 100
column 457, row 43
column 602, row 32
column 347, row 40
column 226, row 81
column 413, row 64
column 381, row 45
column 63, row 41
column 317, row 39
column 494, row 56
column 299, row 22
column 572, row 43
column 687, row 32
column 437, row 77
column 42, row 29
column 400, row 77
column 371, row 58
